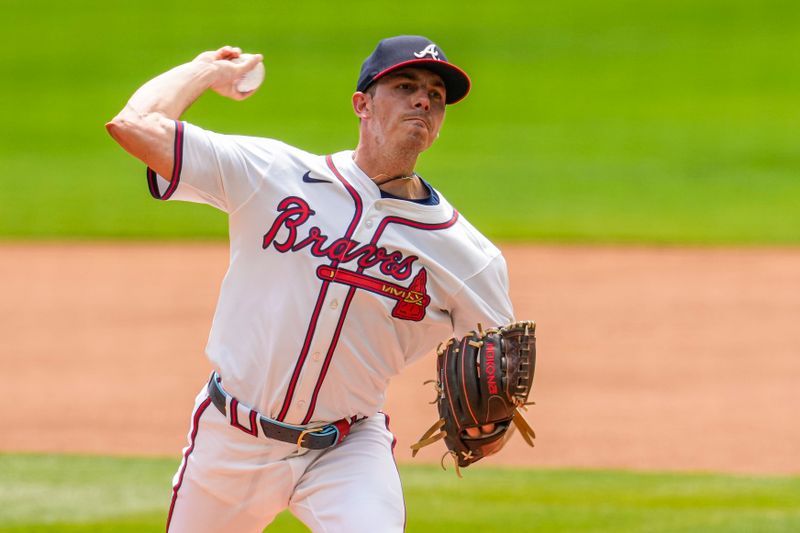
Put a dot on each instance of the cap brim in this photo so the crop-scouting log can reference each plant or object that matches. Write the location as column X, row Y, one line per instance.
column 456, row 81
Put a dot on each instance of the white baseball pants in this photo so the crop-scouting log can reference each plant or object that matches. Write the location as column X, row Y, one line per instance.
column 230, row 481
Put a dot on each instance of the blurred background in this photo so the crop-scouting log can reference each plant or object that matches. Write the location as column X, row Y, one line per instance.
column 589, row 121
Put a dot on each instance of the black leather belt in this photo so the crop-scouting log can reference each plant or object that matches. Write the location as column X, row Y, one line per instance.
column 313, row 438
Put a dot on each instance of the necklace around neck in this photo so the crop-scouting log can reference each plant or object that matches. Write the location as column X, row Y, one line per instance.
column 392, row 178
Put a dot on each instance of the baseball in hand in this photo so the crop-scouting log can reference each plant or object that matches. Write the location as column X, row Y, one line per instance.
column 252, row 80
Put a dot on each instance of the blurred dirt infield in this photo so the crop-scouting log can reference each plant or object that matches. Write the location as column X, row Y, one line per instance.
column 649, row 358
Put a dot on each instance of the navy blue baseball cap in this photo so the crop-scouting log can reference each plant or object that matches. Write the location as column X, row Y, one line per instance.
column 413, row 51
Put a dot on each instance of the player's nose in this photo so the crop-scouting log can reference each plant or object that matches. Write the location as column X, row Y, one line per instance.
column 422, row 100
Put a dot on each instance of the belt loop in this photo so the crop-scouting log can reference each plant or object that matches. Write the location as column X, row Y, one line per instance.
column 343, row 428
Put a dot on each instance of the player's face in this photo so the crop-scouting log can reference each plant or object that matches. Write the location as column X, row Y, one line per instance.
column 408, row 107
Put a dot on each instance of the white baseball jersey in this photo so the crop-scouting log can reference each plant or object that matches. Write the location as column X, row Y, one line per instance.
column 332, row 288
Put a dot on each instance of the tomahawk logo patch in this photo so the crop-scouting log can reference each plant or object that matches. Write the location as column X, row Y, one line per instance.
column 411, row 301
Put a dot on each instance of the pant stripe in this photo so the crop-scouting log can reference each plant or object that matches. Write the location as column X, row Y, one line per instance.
column 195, row 426
column 394, row 458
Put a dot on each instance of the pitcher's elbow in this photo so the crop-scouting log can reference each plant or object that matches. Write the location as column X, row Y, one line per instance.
column 112, row 126
column 120, row 126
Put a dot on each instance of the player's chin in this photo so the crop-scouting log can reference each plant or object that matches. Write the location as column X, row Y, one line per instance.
column 420, row 139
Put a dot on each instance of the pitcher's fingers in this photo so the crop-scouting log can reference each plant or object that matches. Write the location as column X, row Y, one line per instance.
column 228, row 52
column 252, row 61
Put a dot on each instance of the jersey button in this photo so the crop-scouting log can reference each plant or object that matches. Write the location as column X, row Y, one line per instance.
column 315, row 356
column 301, row 404
column 334, row 304
column 368, row 223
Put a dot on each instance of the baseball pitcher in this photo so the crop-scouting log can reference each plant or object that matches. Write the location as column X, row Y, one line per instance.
column 343, row 269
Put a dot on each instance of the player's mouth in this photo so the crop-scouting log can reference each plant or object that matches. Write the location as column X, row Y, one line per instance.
column 416, row 119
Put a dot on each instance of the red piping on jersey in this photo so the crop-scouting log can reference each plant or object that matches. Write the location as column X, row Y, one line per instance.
column 312, row 326
column 329, row 356
column 323, row 291
column 378, row 232
column 414, row 224
column 177, row 157
column 189, row 450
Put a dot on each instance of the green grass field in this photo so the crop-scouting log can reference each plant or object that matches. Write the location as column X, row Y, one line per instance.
column 671, row 121
column 52, row 493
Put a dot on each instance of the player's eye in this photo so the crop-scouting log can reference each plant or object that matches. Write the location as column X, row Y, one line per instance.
column 435, row 95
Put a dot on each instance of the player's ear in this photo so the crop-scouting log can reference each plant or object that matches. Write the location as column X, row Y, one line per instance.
column 362, row 104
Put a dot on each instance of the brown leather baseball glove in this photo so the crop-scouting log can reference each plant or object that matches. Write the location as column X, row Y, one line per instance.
column 483, row 383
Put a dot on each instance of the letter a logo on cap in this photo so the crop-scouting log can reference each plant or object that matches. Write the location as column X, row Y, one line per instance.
column 430, row 49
